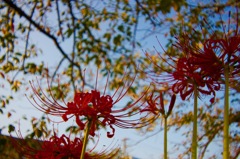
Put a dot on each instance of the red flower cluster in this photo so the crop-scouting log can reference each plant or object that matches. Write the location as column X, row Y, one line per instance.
column 58, row 148
column 218, row 54
column 94, row 107
column 186, row 75
column 55, row 148
column 205, row 67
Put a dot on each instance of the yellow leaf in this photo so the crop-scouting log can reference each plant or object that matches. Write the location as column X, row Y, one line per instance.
column 9, row 115
column 17, row 83
column 3, row 104
column 2, row 75
column 84, row 11
column 124, row 15
column 104, row 11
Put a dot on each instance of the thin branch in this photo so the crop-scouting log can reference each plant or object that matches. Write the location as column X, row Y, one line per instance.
column 56, row 70
column 59, row 20
column 147, row 12
column 148, row 136
column 214, row 5
column 235, row 156
column 74, row 42
column 135, row 29
column 26, row 44
column 22, row 13
column 54, row 39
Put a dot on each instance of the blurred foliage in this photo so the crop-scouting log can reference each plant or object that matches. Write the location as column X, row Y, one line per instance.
column 7, row 150
column 107, row 35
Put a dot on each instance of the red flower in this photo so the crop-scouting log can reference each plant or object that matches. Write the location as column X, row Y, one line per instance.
column 187, row 74
column 155, row 104
column 55, row 148
column 220, row 51
column 92, row 106
column 184, row 75
column 59, row 148
column 217, row 54
column 184, row 71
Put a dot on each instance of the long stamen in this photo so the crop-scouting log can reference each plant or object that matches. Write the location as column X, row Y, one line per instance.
column 106, row 84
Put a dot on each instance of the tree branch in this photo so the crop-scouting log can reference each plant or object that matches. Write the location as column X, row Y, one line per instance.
column 53, row 38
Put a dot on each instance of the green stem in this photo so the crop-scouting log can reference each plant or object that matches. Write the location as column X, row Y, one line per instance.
column 194, row 136
column 165, row 137
column 226, row 116
column 85, row 140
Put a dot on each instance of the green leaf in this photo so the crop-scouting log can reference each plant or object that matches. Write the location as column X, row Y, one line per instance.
column 38, row 133
column 11, row 128
column 117, row 40
column 16, row 60
column 31, row 67
column 18, row 54
column 107, row 36
column 121, row 28
column 2, row 58
column 69, row 32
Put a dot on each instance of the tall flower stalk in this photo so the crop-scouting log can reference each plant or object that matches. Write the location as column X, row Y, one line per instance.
column 165, row 138
column 155, row 105
column 226, row 115
column 195, row 125
column 85, row 139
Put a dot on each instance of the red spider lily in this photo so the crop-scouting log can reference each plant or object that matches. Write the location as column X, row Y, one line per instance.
column 55, row 148
column 218, row 53
column 185, row 72
column 195, row 53
column 93, row 106
column 185, row 75
column 227, row 52
column 155, row 105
